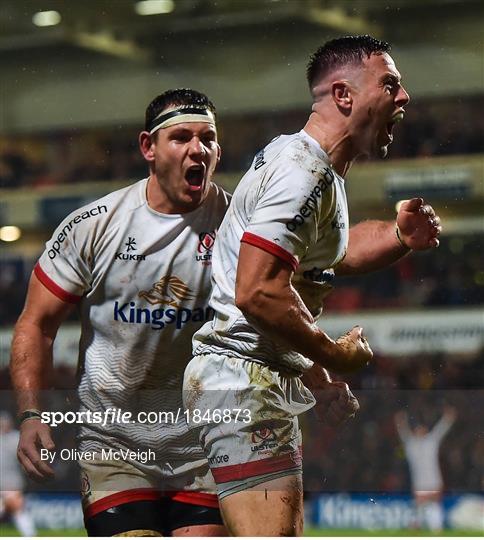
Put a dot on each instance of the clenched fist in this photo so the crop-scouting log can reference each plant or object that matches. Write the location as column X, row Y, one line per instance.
column 418, row 225
column 353, row 352
column 335, row 403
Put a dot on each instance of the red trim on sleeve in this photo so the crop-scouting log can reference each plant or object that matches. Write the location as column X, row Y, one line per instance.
column 123, row 497
column 195, row 497
column 229, row 473
column 270, row 247
column 54, row 288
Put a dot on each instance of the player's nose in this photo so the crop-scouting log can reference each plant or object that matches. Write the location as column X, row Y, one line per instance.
column 196, row 147
column 402, row 97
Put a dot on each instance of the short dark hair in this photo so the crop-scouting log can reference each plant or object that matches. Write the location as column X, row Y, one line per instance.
column 179, row 96
column 340, row 52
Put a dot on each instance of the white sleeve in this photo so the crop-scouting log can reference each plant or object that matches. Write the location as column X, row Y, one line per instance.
column 65, row 265
column 404, row 432
column 290, row 206
column 441, row 428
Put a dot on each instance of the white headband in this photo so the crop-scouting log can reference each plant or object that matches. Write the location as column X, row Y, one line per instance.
column 181, row 115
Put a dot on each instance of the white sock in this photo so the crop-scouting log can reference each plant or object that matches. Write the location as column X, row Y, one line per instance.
column 421, row 516
column 435, row 516
column 23, row 523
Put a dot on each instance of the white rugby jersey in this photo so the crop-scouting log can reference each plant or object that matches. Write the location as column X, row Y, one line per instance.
column 423, row 455
column 142, row 280
column 292, row 204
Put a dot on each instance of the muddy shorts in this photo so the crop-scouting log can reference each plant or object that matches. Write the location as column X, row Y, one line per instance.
column 105, row 482
column 245, row 414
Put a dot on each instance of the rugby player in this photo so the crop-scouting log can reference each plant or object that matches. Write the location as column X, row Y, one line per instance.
column 285, row 234
column 12, row 501
column 137, row 264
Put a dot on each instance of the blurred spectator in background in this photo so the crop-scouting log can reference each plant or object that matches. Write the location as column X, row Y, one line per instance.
column 12, row 479
column 331, row 463
column 422, row 451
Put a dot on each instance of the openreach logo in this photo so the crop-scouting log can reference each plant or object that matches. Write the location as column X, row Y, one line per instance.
column 311, row 203
column 66, row 230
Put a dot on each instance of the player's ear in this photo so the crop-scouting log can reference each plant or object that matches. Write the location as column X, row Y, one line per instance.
column 146, row 146
column 219, row 152
column 341, row 93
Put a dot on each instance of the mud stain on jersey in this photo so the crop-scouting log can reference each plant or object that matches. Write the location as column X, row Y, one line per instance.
column 260, row 375
column 194, row 391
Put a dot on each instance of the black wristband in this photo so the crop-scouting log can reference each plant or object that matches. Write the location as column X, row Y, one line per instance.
column 399, row 238
column 31, row 413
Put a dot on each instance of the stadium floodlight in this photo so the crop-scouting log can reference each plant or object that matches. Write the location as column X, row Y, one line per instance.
column 154, row 7
column 46, row 18
column 10, row 233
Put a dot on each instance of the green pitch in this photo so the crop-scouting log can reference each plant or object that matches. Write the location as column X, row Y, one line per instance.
column 8, row 530
column 386, row 532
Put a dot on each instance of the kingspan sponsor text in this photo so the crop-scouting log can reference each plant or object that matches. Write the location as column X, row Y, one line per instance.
column 158, row 318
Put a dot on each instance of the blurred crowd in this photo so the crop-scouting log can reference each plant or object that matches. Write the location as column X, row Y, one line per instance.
column 432, row 127
column 366, row 455
column 450, row 276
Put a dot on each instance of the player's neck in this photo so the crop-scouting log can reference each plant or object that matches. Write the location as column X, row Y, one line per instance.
column 160, row 202
column 333, row 139
column 155, row 198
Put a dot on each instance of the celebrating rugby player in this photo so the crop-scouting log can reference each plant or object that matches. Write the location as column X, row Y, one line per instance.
column 285, row 234
column 136, row 263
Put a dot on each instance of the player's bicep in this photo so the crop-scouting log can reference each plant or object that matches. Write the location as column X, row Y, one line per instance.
column 261, row 274
column 43, row 308
column 287, row 212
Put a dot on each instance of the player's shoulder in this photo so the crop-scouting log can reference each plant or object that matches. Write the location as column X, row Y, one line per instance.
column 295, row 152
column 219, row 194
column 111, row 207
column 302, row 150
column 127, row 198
column 218, row 200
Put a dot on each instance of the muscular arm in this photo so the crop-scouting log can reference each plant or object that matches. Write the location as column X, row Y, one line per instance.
column 374, row 245
column 31, row 366
column 34, row 334
column 265, row 295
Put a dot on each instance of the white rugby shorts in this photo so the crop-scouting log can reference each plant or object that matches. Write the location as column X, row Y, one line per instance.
column 109, row 483
column 246, row 417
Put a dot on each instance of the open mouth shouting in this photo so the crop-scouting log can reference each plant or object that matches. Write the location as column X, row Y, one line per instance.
column 195, row 176
column 397, row 117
